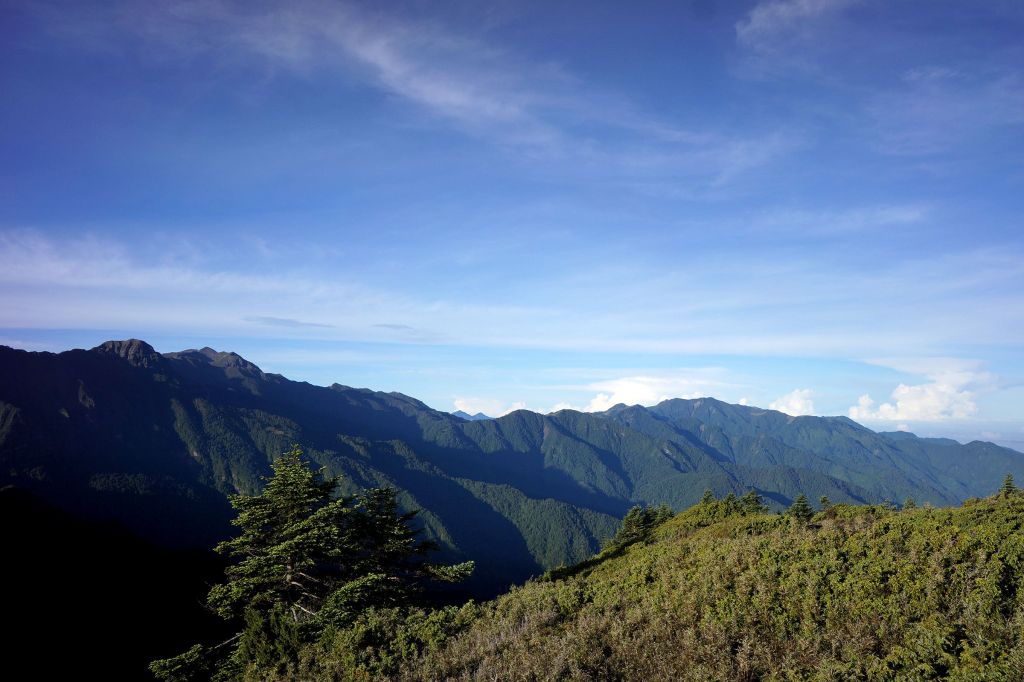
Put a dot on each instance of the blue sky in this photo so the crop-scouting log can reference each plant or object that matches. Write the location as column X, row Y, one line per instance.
column 813, row 205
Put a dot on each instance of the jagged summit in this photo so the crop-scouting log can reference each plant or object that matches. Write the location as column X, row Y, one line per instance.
column 137, row 352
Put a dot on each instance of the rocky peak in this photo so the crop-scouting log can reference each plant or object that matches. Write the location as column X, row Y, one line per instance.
column 233, row 365
column 138, row 353
column 229, row 361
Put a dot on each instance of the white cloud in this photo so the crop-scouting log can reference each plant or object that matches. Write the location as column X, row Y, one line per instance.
column 490, row 407
column 647, row 390
column 950, row 393
column 517, row 405
column 797, row 402
column 925, row 402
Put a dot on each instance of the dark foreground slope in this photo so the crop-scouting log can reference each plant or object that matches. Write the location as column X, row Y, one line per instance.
column 156, row 442
column 89, row 600
column 859, row 593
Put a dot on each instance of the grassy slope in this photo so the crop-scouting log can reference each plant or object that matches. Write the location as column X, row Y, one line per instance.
column 862, row 593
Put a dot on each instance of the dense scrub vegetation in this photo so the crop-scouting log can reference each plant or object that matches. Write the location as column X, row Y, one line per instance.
column 726, row 591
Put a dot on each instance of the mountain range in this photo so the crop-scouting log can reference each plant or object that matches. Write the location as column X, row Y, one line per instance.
column 156, row 442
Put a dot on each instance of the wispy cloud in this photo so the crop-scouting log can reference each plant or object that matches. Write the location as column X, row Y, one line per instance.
column 283, row 322
column 936, row 109
column 409, row 333
column 779, row 29
column 536, row 110
column 839, row 222
column 739, row 305
column 945, row 96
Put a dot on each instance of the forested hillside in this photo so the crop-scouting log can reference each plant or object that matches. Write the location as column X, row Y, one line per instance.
column 156, row 441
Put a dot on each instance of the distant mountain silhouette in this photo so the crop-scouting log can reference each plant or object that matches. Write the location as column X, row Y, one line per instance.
column 471, row 417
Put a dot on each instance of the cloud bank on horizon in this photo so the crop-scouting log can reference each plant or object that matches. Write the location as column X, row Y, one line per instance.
column 502, row 206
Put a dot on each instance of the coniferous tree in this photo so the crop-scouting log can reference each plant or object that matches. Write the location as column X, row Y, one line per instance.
column 634, row 527
column 752, row 503
column 1008, row 488
column 825, row 503
column 638, row 524
column 909, row 504
column 801, row 509
column 288, row 531
column 661, row 514
column 708, row 497
column 306, row 560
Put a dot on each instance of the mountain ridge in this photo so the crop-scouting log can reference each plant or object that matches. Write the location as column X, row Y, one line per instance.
column 159, row 440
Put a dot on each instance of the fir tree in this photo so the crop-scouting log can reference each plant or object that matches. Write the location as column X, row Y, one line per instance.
column 288, row 531
column 306, row 560
column 801, row 509
column 1008, row 488
column 661, row 514
column 633, row 526
column 638, row 524
column 752, row 503
column 708, row 497
column 825, row 503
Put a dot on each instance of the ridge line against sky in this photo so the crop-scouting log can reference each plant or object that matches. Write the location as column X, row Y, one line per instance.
column 487, row 205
